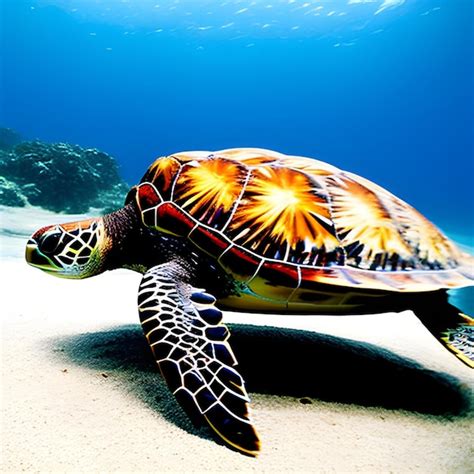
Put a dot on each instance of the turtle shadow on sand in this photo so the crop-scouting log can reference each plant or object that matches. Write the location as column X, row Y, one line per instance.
column 278, row 362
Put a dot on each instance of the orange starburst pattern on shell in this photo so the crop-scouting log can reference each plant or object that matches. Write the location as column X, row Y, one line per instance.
column 162, row 174
column 209, row 189
column 428, row 248
column 433, row 249
column 361, row 218
column 282, row 210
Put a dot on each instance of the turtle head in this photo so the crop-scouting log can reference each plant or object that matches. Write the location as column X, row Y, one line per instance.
column 72, row 250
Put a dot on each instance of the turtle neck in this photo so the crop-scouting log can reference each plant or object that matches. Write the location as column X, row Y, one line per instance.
column 124, row 231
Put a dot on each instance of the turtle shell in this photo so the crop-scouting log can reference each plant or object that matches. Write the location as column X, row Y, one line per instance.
column 285, row 225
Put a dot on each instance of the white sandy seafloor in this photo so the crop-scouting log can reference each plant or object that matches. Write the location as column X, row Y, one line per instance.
column 80, row 391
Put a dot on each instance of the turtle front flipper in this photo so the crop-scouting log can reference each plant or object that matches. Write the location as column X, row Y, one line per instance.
column 450, row 326
column 189, row 342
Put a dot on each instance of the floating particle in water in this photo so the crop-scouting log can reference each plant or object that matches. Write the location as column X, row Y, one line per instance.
column 227, row 25
column 242, row 10
column 431, row 10
column 389, row 4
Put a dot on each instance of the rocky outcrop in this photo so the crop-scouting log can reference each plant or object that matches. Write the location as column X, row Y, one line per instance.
column 60, row 177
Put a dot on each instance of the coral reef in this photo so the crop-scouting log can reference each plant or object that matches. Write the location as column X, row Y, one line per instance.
column 10, row 194
column 59, row 176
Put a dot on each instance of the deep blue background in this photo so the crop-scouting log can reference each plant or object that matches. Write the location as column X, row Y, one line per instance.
column 396, row 106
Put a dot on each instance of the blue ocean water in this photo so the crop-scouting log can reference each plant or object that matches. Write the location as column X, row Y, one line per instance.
column 383, row 88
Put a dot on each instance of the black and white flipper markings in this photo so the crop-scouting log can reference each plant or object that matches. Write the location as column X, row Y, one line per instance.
column 190, row 345
column 453, row 329
column 460, row 339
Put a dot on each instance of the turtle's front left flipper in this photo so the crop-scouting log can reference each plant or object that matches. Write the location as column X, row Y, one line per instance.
column 189, row 342
column 450, row 326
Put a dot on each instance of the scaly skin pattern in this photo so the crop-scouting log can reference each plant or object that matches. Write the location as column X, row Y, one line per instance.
column 72, row 249
column 190, row 345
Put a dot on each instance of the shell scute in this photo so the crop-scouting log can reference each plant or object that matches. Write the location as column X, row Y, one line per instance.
column 209, row 240
column 432, row 249
column 282, row 212
column 240, row 263
column 209, row 190
column 162, row 174
column 365, row 226
column 172, row 219
column 147, row 196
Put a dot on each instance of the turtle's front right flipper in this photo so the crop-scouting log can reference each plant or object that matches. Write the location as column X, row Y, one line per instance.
column 450, row 326
column 189, row 342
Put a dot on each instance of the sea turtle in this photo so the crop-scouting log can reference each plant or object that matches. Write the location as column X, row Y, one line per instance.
column 256, row 230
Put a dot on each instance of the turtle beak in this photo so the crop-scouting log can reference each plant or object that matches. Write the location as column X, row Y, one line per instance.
column 35, row 258
column 31, row 251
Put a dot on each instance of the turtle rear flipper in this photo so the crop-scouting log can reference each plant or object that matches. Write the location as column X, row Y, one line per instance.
column 454, row 329
column 189, row 342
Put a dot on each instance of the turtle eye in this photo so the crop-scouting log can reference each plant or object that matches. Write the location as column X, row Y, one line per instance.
column 49, row 243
